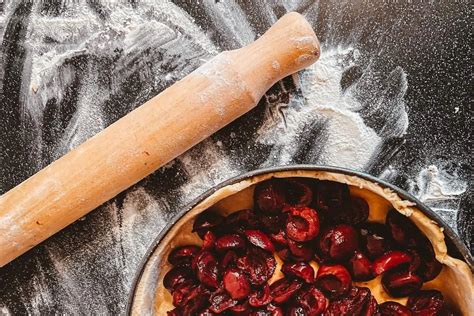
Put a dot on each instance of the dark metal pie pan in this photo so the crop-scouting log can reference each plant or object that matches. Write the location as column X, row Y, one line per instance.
column 456, row 247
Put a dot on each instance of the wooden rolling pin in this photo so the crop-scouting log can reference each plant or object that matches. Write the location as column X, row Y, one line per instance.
column 195, row 107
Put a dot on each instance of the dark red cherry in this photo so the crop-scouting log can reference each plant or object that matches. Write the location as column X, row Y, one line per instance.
column 371, row 308
column 394, row 309
column 427, row 302
column 298, row 192
column 313, row 301
column 183, row 255
column 360, row 267
column 283, row 289
column 260, row 297
column 206, row 312
column 264, row 311
column 209, row 240
column 302, row 270
column 258, row 264
column 391, row 260
column 428, row 268
column 236, row 283
column 355, row 213
column 229, row 259
column 206, row 221
column 339, row 242
column 358, row 213
column 207, row 269
column 375, row 239
column 415, row 260
column 274, row 310
column 333, row 280
column 402, row 229
column 279, row 239
column 196, row 300
column 221, row 301
column 241, row 309
column 273, row 223
column 241, row 220
column 332, row 197
column 177, row 276
column 285, row 254
column 296, row 310
column 190, row 298
column 353, row 303
column 259, row 239
column 181, row 294
column 230, row 242
column 174, row 312
column 302, row 223
column 300, row 251
column 270, row 196
column 401, row 283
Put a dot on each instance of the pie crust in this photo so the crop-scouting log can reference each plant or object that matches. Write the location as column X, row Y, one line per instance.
column 455, row 281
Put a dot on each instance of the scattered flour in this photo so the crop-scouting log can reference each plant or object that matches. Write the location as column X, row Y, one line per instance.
column 349, row 142
column 4, row 311
column 441, row 191
column 205, row 173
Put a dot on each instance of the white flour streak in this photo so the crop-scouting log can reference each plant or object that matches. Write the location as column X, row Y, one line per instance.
column 79, row 32
column 231, row 21
column 145, row 35
column 437, row 185
column 206, row 165
column 88, row 119
column 349, row 142
column 441, row 191
column 138, row 209
column 4, row 311
column 70, row 36
column 42, row 294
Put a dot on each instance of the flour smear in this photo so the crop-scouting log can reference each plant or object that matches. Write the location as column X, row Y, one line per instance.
column 441, row 190
column 348, row 141
column 4, row 311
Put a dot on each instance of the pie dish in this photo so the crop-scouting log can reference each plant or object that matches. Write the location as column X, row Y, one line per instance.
column 455, row 280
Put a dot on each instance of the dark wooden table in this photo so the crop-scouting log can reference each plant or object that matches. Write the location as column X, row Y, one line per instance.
column 70, row 69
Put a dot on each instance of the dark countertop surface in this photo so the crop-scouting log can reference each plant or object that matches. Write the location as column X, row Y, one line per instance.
column 390, row 96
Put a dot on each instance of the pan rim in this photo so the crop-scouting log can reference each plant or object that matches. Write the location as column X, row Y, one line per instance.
column 449, row 233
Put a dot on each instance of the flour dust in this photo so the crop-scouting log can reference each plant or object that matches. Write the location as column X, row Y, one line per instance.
column 343, row 138
column 441, row 190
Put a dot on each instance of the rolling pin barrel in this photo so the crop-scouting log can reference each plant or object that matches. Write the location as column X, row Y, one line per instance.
column 192, row 109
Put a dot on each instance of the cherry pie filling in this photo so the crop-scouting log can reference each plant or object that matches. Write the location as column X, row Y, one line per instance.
column 321, row 236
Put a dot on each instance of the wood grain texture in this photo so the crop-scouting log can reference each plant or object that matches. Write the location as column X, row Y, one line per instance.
column 195, row 107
